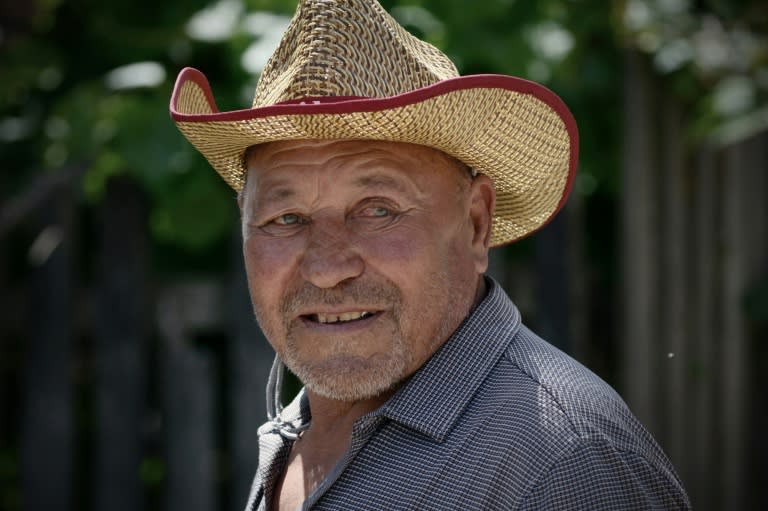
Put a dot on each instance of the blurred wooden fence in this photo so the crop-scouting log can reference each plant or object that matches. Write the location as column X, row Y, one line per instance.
column 139, row 393
column 695, row 255
column 135, row 393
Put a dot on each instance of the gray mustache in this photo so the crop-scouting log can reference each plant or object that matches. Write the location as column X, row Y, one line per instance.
column 352, row 292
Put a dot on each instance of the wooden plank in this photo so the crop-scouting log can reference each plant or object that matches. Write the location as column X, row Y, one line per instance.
column 673, row 294
column 754, row 184
column 701, row 481
column 188, row 400
column 498, row 266
column 640, row 240
column 517, row 277
column 734, row 393
column 579, row 280
column 552, row 292
column 9, row 347
column 47, row 421
column 758, row 499
column 122, row 307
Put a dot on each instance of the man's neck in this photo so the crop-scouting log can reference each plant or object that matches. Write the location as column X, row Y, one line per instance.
column 332, row 418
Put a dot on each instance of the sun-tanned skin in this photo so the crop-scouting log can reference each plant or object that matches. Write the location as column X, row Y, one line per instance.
column 362, row 258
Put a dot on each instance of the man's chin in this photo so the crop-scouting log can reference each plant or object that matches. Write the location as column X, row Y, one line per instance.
column 349, row 393
column 350, row 381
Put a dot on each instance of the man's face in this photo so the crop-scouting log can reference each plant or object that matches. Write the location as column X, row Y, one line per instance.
column 362, row 257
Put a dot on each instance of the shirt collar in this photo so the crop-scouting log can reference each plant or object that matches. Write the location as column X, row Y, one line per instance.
column 435, row 396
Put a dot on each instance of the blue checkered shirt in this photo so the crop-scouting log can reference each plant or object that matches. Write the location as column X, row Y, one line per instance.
column 496, row 419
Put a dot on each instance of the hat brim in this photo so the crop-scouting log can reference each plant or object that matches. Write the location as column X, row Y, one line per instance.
column 517, row 132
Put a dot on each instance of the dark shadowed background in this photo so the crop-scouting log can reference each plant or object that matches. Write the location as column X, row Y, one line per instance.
column 131, row 369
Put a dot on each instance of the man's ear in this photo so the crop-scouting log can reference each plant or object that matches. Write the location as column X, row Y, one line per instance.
column 247, row 170
column 482, row 196
column 243, row 194
column 240, row 200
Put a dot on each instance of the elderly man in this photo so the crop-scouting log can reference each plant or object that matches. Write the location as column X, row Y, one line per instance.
column 373, row 180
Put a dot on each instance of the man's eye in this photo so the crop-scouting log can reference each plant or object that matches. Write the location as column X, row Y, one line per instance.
column 369, row 217
column 287, row 219
column 378, row 211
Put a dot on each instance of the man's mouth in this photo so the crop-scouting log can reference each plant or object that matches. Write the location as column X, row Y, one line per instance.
column 344, row 317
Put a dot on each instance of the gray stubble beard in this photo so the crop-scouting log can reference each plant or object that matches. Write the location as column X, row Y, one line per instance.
column 359, row 379
column 365, row 381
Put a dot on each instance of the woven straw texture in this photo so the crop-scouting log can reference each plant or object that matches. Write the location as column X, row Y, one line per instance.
column 348, row 48
column 354, row 48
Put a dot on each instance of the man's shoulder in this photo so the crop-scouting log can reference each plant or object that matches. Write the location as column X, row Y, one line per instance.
column 557, row 387
column 529, row 383
column 556, row 404
column 541, row 412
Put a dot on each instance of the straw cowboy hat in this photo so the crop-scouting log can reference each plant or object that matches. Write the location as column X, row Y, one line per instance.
column 345, row 69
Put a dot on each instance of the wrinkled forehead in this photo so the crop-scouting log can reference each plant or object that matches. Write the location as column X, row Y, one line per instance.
column 293, row 154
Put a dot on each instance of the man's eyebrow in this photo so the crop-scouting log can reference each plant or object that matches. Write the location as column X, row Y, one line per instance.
column 378, row 181
column 274, row 194
column 278, row 193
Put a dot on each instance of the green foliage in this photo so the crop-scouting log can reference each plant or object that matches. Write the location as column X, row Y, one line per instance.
column 755, row 302
column 714, row 55
column 10, row 497
column 198, row 212
column 152, row 471
column 60, row 100
column 69, row 110
column 58, row 106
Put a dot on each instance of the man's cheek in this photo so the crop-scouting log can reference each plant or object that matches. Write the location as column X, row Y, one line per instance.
column 401, row 248
column 267, row 258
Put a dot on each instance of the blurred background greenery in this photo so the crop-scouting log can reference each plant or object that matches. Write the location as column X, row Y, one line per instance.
column 84, row 95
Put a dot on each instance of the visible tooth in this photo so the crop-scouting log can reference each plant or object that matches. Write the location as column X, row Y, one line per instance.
column 345, row 316
column 327, row 318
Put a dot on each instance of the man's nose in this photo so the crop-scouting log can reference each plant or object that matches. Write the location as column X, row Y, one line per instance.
column 331, row 256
